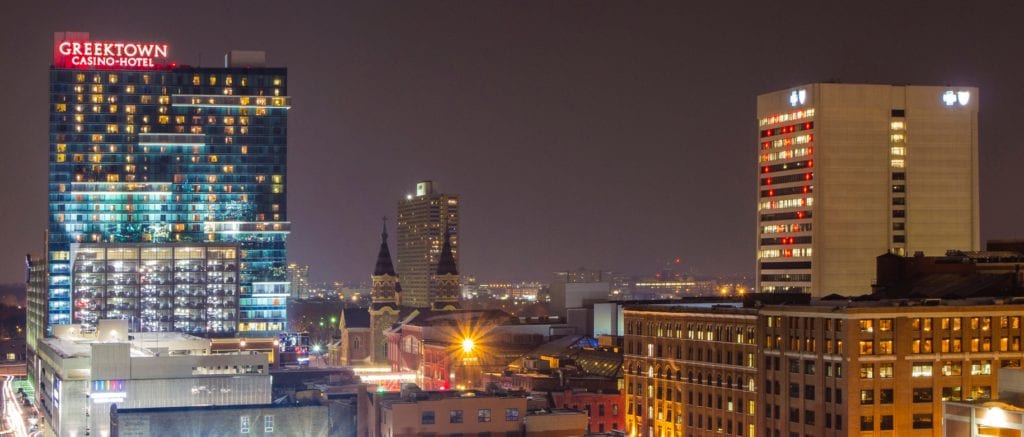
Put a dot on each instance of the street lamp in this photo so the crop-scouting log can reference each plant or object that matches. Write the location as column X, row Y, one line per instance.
column 467, row 345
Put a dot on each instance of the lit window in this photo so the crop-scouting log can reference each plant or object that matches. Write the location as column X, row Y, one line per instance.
column 921, row 370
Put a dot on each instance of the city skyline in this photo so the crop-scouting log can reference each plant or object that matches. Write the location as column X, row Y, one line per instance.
column 566, row 130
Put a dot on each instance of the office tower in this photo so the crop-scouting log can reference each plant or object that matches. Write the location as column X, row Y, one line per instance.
column 298, row 277
column 164, row 168
column 423, row 220
column 849, row 172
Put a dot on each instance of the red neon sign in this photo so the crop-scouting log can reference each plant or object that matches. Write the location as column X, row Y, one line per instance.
column 75, row 50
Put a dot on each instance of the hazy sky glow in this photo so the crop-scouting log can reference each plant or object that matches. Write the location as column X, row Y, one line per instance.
column 614, row 135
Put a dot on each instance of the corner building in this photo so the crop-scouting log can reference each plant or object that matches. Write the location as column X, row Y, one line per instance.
column 166, row 154
column 847, row 172
column 881, row 368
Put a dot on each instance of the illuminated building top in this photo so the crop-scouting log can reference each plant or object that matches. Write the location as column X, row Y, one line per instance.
column 76, row 50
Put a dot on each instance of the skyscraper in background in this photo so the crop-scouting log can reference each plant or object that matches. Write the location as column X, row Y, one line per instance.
column 423, row 219
column 298, row 276
column 850, row 172
column 167, row 199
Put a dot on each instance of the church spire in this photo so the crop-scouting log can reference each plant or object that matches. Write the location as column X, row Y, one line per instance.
column 384, row 266
column 446, row 263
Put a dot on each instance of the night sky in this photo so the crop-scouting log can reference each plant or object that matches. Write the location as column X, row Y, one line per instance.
column 601, row 134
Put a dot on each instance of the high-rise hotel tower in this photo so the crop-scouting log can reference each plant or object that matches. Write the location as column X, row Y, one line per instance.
column 167, row 199
column 849, row 172
column 427, row 220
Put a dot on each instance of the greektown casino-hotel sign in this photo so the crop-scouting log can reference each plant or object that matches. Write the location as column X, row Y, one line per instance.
column 75, row 50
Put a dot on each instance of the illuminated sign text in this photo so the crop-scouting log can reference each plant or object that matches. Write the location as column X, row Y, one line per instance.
column 74, row 50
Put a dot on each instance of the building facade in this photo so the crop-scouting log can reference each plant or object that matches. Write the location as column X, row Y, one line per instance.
column 81, row 374
column 183, row 287
column 253, row 420
column 449, row 413
column 881, row 368
column 848, row 172
column 298, row 276
column 690, row 371
column 604, row 410
column 423, row 220
column 142, row 150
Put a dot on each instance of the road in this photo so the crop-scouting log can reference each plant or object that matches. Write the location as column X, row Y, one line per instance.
column 15, row 414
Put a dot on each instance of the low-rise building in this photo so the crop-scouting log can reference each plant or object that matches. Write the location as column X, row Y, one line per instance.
column 222, row 420
column 413, row 412
column 604, row 409
column 81, row 374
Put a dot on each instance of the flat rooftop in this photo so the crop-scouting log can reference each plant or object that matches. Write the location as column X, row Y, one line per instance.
column 141, row 343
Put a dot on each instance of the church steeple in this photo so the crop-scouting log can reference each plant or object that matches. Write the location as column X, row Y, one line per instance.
column 385, row 287
column 384, row 295
column 445, row 288
column 446, row 264
column 384, row 266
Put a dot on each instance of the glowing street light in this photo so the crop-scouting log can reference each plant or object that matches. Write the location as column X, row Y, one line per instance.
column 467, row 345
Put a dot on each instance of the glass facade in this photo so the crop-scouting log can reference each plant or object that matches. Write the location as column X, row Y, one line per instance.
column 175, row 155
column 157, row 287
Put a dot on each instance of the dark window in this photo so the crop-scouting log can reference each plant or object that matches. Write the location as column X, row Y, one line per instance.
column 899, row 188
column 885, row 396
column 794, row 390
column 899, row 176
column 455, row 416
column 809, row 392
column 867, row 423
column 923, row 421
column 923, row 395
column 885, row 422
column 899, row 213
column 809, row 417
column 794, row 415
column 483, row 415
column 898, row 113
column 427, row 418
